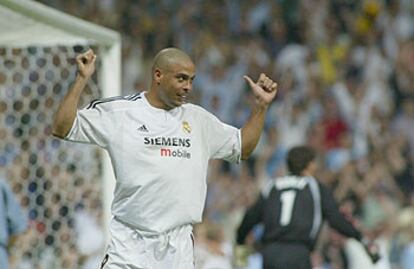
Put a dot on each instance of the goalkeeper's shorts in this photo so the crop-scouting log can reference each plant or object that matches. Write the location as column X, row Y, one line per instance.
column 128, row 249
column 286, row 255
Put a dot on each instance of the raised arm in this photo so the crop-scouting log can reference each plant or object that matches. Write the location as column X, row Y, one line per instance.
column 67, row 109
column 264, row 91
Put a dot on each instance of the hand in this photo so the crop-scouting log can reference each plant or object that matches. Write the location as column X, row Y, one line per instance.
column 372, row 250
column 264, row 89
column 86, row 63
column 241, row 255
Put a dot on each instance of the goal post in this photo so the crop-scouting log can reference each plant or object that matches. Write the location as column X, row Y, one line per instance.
column 37, row 49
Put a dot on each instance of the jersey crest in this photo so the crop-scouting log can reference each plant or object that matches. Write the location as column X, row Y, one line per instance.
column 186, row 127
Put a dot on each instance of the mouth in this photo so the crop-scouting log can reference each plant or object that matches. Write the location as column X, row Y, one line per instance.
column 182, row 97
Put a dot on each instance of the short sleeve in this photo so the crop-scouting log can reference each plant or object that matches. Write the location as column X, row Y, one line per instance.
column 224, row 141
column 92, row 125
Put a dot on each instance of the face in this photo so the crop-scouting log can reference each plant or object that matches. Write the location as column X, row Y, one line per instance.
column 175, row 83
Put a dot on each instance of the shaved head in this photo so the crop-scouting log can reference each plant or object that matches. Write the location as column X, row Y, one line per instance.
column 173, row 73
column 168, row 57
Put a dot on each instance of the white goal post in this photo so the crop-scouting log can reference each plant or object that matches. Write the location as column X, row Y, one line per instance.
column 25, row 24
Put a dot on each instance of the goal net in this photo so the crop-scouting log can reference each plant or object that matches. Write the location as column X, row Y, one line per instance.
column 65, row 188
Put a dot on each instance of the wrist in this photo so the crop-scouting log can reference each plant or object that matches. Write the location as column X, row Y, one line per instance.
column 81, row 79
column 260, row 108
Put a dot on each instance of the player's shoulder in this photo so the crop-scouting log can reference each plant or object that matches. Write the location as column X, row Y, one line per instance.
column 323, row 186
column 194, row 108
column 116, row 102
column 267, row 187
column 197, row 110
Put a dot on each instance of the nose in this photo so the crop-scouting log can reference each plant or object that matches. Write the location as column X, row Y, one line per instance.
column 188, row 87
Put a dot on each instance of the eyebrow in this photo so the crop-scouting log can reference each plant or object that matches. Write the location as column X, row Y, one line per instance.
column 185, row 76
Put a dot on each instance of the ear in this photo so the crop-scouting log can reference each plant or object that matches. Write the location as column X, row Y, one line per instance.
column 157, row 76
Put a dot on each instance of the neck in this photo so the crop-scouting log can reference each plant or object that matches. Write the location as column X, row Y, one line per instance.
column 306, row 174
column 153, row 99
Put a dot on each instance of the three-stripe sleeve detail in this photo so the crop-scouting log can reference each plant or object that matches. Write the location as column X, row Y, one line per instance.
column 96, row 102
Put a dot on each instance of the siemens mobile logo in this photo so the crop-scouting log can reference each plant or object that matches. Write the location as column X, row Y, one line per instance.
column 178, row 153
column 170, row 142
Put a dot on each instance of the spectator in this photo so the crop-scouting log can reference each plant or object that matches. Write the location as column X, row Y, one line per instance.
column 12, row 222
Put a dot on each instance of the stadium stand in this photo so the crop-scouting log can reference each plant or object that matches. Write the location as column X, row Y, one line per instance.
column 345, row 71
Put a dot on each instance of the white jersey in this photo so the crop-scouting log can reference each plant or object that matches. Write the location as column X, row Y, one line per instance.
column 159, row 157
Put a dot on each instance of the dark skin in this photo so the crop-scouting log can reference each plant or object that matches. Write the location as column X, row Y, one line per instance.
column 66, row 113
column 173, row 73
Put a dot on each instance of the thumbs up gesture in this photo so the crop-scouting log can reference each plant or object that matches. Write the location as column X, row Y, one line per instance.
column 264, row 89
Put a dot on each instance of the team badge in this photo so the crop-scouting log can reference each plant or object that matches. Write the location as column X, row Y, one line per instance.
column 186, row 127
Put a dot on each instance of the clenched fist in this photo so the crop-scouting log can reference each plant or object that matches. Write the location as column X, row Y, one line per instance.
column 86, row 63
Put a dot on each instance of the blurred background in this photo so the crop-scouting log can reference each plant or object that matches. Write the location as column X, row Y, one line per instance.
column 345, row 74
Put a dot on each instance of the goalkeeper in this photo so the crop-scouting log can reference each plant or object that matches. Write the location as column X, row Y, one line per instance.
column 292, row 209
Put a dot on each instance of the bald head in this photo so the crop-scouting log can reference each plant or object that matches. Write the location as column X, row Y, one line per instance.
column 168, row 57
column 173, row 73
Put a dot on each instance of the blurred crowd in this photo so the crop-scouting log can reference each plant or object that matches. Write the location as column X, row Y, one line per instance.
column 345, row 74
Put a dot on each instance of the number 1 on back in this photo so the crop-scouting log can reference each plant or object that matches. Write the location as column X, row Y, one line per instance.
column 287, row 199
